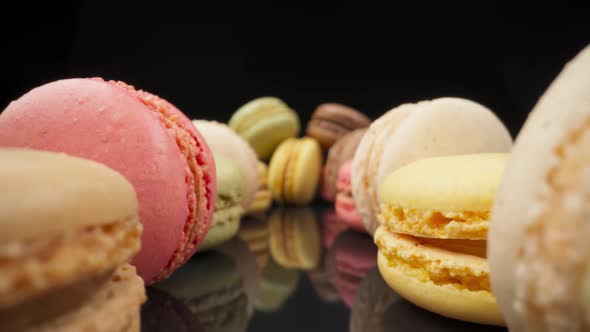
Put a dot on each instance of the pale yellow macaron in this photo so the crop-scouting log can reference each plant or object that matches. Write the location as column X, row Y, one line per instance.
column 539, row 245
column 68, row 227
column 294, row 170
column 435, row 216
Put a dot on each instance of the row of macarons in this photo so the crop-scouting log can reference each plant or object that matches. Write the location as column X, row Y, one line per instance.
column 473, row 227
column 156, row 179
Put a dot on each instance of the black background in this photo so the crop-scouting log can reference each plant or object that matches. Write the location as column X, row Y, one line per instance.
column 209, row 57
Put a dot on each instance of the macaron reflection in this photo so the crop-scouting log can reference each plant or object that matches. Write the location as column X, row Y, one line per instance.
column 211, row 286
column 163, row 312
column 354, row 256
column 255, row 232
column 373, row 298
column 404, row 316
column 295, row 238
column 331, row 227
column 277, row 284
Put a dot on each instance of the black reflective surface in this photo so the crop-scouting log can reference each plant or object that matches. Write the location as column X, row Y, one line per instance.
column 257, row 282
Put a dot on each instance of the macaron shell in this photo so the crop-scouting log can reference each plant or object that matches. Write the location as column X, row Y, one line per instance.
column 90, row 111
column 454, row 183
column 529, row 196
column 444, row 126
column 477, row 306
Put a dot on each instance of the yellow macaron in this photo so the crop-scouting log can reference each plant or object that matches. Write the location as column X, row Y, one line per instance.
column 294, row 170
column 434, row 221
column 295, row 238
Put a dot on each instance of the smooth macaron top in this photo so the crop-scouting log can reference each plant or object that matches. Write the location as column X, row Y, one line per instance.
column 265, row 122
column 330, row 121
column 538, row 243
column 454, row 183
column 223, row 141
column 46, row 193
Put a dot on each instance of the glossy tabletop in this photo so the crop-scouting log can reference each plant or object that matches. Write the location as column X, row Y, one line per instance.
column 256, row 283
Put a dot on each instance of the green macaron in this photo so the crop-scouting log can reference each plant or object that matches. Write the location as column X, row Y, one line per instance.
column 228, row 210
column 265, row 123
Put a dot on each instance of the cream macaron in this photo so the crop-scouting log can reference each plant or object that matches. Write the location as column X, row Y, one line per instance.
column 439, row 127
column 68, row 227
column 539, row 248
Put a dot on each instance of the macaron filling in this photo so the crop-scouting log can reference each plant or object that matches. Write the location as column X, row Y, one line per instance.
column 35, row 266
column 429, row 264
column 434, row 223
column 197, row 181
column 263, row 114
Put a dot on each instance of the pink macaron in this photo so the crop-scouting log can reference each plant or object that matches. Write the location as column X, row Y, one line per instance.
column 344, row 205
column 355, row 256
column 142, row 136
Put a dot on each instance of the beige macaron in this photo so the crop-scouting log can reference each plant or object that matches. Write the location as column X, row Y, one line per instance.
column 539, row 248
column 439, row 127
column 67, row 228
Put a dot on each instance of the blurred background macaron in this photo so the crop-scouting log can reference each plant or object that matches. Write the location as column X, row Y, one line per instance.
column 68, row 227
column 140, row 135
column 344, row 205
column 265, row 123
column 294, row 171
column 342, row 151
column 225, row 142
column 228, row 210
column 330, row 121
column 263, row 200
column 212, row 288
column 409, row 132
column 277, row 284
column 295, row 238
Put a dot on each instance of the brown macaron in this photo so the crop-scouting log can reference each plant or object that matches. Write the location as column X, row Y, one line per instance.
column 342, row 151
column 331, row 121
